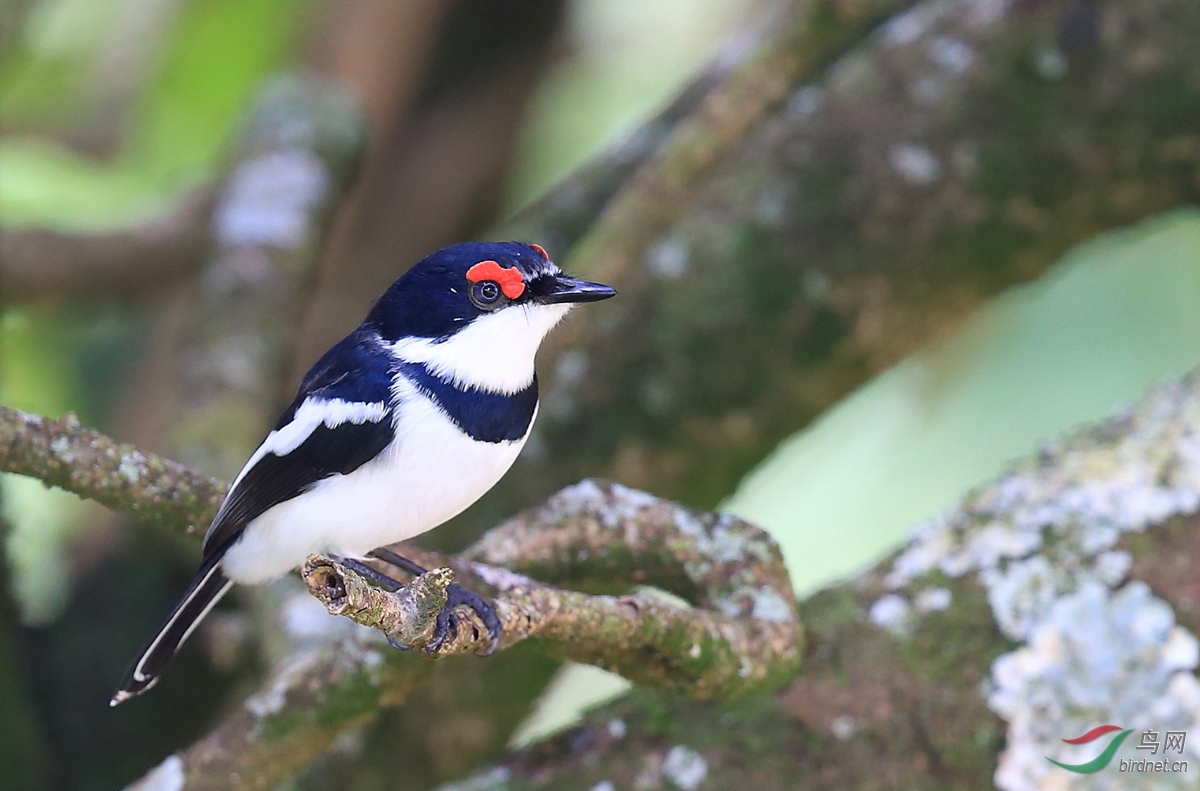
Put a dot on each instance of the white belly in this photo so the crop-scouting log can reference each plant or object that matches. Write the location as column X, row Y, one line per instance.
column 429, row 474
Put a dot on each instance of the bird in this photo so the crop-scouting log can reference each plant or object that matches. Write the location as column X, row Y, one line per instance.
column 399, row 427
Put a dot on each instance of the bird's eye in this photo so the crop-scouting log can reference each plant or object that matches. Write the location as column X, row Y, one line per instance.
column 486, row 295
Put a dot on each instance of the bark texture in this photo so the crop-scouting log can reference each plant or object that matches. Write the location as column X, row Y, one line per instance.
column 65, row 454
column 39, row 263
column 735, row 632
column 959, row 149
column 1059, row 596
column 740, row 637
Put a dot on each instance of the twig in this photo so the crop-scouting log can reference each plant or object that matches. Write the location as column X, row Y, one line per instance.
column 409, row 616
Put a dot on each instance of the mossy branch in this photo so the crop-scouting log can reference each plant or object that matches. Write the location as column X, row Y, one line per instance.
column 37, row 263
column 65, row 454
column 737, row 633
column 1060, row 594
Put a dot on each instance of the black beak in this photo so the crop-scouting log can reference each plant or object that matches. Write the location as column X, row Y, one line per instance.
column 568, row 289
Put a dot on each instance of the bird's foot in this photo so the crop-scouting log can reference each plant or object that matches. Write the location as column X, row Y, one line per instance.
column 363, row 570
column 447, row 622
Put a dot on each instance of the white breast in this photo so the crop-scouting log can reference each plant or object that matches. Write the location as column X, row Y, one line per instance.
column 431, row 472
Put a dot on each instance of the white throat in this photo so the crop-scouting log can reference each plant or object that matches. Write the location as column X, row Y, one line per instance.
column 495, row 353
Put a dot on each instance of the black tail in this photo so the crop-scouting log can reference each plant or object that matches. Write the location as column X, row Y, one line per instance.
column 205, row 590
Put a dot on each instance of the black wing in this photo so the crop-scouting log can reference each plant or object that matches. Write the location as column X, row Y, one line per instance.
column 356, row 370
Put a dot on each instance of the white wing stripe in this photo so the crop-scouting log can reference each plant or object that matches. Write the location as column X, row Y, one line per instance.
column 314, row 412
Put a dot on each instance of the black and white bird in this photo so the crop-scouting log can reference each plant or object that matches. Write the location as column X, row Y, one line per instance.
column 399, row 427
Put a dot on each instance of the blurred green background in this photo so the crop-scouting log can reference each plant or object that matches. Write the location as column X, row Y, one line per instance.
column 113, row 111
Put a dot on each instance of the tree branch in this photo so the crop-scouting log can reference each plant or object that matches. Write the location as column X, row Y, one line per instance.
column 322, row 691
column 565, row 213
column 739, row 634
column 1060, row 595
column 38, row 262
column 591, row 531
column 750, row 642
column 803, row 34
column 742, row 637
column 868, row 213
column 85, row 462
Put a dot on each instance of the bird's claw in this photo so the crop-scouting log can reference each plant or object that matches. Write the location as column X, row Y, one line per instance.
column 399, row 646
column 446, row 629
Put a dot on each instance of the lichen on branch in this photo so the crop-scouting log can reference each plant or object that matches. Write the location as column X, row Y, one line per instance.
column 65, row 454
column 737, row 633
column 734, row 630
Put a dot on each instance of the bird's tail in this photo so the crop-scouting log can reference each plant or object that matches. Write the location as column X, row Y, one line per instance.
column 205, row 590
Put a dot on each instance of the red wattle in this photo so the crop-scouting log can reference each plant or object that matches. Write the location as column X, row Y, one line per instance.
column 510, row 279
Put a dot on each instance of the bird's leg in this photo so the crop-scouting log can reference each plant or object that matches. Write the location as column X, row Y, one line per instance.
column 388, row 556
column 447, row 623
column 363, row 570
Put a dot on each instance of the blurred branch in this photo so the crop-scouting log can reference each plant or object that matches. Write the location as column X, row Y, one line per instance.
column 228, row 360
column 897, row 185
column 65, row 454
column 291, row 114
column 670, row 152
column 802, row 35
column 565, row 213
column 1062, row 594
column 433, row 174
column 316, row 695
column 37, row 263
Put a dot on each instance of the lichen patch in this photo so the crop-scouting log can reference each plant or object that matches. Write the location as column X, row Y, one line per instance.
column 1042, row 542
column 1097, row 656
column 685, row 768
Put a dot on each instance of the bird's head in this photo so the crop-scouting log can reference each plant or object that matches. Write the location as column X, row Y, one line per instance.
column 479, row 310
